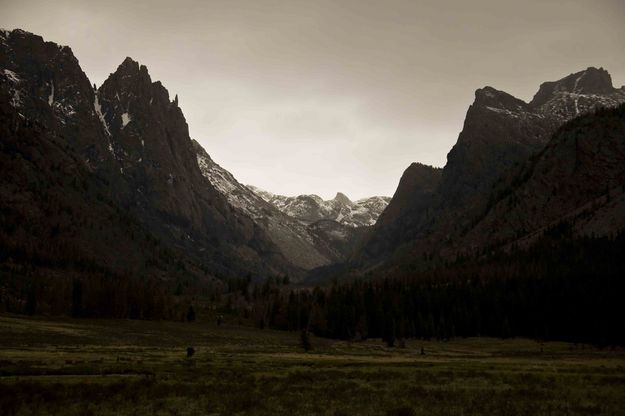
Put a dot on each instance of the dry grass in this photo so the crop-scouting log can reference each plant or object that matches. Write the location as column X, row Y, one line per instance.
column 93, row 367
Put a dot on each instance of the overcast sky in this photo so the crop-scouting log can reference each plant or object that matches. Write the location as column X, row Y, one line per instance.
column 325, row 96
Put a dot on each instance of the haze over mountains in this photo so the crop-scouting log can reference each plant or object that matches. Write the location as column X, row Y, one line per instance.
column 107, row 179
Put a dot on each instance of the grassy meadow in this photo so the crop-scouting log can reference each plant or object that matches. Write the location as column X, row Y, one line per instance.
column 62, row 366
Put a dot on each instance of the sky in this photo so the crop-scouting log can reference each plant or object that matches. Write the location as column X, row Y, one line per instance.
column 321, row 96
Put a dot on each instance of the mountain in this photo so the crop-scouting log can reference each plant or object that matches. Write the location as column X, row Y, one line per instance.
column 134, row 140
column 501, row 130
column 404, row 212
column 311, row 208
column 575, row 185
column 302, row 245
column 306, row 245
column 500, row 133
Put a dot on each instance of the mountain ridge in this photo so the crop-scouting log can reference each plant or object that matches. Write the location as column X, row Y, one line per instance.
column 310, row 208
column 500, row 133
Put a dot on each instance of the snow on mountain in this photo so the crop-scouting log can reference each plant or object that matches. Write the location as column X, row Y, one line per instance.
column 238, row 195
column 311, row 208
column 305, row 247
column 309, row 231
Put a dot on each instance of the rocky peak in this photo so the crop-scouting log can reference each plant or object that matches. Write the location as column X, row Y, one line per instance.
column 129, row 64
column 134, row 109
column 590, row 81
column 416, row 185
column 493, row 98
column 150, row 141
column 342, row 198
column 309, row 209
column 132, row 78
column 44, row 82
column 420, row 176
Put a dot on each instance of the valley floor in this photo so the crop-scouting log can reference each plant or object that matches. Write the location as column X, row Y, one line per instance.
column 109, row 367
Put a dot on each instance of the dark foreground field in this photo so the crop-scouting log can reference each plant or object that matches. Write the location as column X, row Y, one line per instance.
column 111, row 367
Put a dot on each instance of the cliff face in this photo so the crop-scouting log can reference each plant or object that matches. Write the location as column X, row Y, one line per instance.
column 406, row 213
column 576, row 182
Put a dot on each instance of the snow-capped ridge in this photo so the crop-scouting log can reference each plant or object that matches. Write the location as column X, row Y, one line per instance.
column 311, row 208
column 575, row 94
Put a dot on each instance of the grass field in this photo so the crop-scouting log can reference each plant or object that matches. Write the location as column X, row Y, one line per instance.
column 111, row 367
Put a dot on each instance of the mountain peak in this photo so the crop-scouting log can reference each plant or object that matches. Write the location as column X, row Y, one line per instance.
column 491, row 97
column 589, row 81
column 341, row 197
column 130, row 68
column 421, row 176
column 128, row 65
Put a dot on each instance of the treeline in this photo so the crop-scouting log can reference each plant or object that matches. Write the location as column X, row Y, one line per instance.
column 561, row 289
column 97, row 295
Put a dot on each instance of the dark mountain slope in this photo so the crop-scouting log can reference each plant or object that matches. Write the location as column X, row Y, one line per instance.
column 578, row 179
column 406, row 211
column 58, row 227
column 499, row 134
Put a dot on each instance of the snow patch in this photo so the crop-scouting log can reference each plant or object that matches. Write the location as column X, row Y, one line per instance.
column 218, row 177
column 51, row 96
column 577, row 81
column 98, row 111
column 69, row 110
column 12, row 76
column 16, row 100
column 126, row 119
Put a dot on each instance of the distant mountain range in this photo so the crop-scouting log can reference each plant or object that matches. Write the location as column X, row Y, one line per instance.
column 311, row 208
